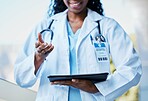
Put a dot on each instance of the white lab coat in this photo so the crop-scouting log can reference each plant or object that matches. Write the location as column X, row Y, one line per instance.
column 120, row 48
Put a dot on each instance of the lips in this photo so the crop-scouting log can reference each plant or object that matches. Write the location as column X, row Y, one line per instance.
column 74, row 4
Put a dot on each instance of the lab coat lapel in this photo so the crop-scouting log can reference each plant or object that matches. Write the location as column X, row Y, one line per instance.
column 88, row 25
column 61, row 29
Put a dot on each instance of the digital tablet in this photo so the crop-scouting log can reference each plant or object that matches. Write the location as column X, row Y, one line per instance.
column 92, row 77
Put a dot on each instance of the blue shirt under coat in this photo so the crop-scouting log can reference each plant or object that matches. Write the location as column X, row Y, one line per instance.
column 74, row 93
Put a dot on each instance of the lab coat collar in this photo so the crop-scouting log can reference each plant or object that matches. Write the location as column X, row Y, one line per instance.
column 88, row 25
column 93, row 16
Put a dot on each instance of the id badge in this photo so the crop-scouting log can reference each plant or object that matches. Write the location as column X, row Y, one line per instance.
column 101, row 51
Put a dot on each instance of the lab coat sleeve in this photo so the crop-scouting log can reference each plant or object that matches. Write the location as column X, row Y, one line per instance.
column 24, row 66
column 126, row 61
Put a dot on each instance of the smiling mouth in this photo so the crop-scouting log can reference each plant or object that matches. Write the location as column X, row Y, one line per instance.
column 74, row 4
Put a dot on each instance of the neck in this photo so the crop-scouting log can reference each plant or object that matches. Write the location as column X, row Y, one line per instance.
column 76, row 17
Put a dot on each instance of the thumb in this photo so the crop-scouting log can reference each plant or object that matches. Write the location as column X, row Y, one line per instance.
column 40, row 38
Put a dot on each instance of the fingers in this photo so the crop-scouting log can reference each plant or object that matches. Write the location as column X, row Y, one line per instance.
column 40, row 38
column 76, row 80
column 49, row 48
column 66, row 82
column 72, row 82
column 44, row 48
column 41, row 47
column 37, row 44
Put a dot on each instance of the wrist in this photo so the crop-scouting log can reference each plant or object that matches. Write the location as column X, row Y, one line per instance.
column 38, row 60
column 94, row 89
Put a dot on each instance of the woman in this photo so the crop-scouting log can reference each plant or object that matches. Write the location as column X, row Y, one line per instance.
column 77, row 25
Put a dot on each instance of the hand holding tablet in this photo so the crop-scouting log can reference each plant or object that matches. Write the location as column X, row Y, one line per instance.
column 92, row 77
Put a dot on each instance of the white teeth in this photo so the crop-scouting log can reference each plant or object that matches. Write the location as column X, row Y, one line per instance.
column 76, row 4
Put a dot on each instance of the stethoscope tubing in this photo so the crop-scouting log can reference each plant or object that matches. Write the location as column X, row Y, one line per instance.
column 49, row 30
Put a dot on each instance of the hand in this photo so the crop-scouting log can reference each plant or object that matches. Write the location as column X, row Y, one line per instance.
column 84, row 85
column 43, row 49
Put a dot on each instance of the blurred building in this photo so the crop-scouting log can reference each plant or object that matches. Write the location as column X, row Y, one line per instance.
column 140, row 16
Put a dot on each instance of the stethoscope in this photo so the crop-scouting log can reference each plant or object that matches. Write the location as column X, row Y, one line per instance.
column 98, row 37
column 48, row 31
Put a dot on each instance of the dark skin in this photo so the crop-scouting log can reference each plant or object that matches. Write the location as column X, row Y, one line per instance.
column 43, row 49
column 77, row 12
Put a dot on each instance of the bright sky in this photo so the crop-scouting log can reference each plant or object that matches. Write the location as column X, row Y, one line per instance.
column 19, row 17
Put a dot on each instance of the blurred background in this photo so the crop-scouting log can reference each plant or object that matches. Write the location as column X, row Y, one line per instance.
column 19, row 17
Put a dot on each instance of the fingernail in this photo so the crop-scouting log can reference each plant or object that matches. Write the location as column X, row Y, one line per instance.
column 53, row 83
column 73, row 80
